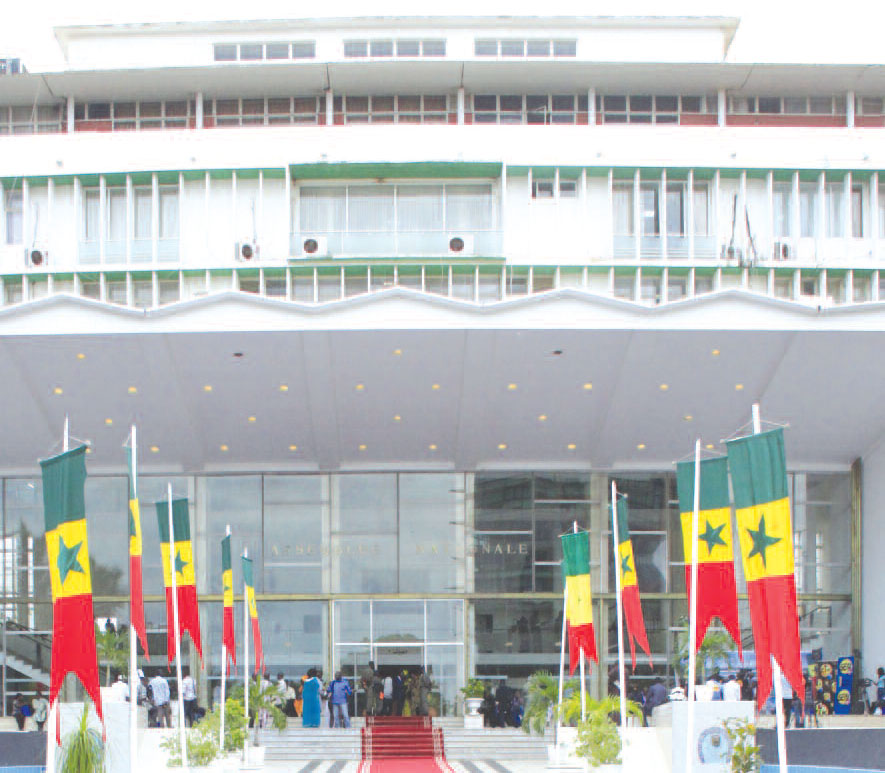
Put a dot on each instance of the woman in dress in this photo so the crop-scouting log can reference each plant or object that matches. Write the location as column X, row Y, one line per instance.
column 310, row 696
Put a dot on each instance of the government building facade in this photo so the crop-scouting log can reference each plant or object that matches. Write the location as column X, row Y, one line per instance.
column 398, row 298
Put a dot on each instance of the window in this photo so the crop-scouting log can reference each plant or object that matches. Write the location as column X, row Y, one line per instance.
column 676, row 209
column 522, row 47
column 835, row 209
column 39, row 119
column 622, row 195
column 393, row 109
column 304, row 49
column 258, row 51
column 783, row 209
column 381, row 48
column 542, row 189
column 225, row 52
column 91, row 214
column 857, row 223
column 277, row 51
column 565, row 48
column 659, row 109
column 169, row 213
column 384, row 48
column 530, row 109
column 251, row 52
column 701, row 210
column 116, row 209
column 649, row 211
column 808, row 209
column 256, row 112
column 568, row 189
column 513, row 48
column 485, row 47
column 142, row 209
column 14, row 216
column 408, row 47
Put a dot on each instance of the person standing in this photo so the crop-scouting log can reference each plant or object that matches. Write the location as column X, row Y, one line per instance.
column 310, row 695
column 18, row 710
column 340, row 691
column 120, row 690
column 398, row 694
column 731, row 690
column 387, row 692
column 656, row 696
column 189, row 696
column 880, row 689
column 161, row 696
column 367, row 679
column 41, row 710
column 425, row 685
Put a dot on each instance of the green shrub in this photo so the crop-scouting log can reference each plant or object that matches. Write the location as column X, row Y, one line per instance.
column 82, row 750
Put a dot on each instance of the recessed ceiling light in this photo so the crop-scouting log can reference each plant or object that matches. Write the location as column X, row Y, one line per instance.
column 511, row 387
column 641, row 446
column 502, row 446
column 360, row 387
column 293, row 448
column 154, row 449
column 132, row 390
column 542, row 417
column 588, row 386
column 88, row 450
column 109, row 421
column 223, row 447
column 571, row 446
column 397, row 352
column 687, row 417
column 435, row 387
column 432, row 446
column 363, row 446
column 207, row 388
column 284, row 387
column 397, row 418
column 709, row 446
column 738, row 387
column 715, row 352
column 81, row 356
column 252, row 419
column 58, row 391
column 664, row 387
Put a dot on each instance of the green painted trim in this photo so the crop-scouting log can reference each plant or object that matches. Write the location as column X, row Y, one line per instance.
column 652, row 271
column 89, row 180
column 390, row 170
column 142, row 178
column 809, row 175
column 115, row 179
column 166, row 178
column 248, row 273
column 221, row 174
column 38, row 182
column 167, row 275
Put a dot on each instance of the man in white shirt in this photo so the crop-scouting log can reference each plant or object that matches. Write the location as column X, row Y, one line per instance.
column 120, row 690
column 731, row 690
column 189, row 696
column 160, row 696
column 387, row 701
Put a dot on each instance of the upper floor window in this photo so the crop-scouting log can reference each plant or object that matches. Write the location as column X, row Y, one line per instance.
column 819, row 105
column 260, row 111
column 115, row 228
column 358, row 48
column 529, row 108
column 676, row 209
column 637, row 108
column 400, row 108
column 12, row 204
column 30, row 119
column 835, row 202
column 508, row 47
column 808, row 198
column 129, row 116
column 259, row 51
column 783, row 209
column 869, row 106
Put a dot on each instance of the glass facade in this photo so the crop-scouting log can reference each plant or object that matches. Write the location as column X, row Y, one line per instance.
column 454, row 572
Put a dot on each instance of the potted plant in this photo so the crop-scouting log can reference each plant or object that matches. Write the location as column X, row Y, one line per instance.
column 542, row 695
column 595, row 738
column 473, row 693
column 746, row 755
column 82, row 751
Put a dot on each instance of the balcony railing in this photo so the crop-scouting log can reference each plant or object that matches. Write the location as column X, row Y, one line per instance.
column 652, row 247
column 457, row 243
column 140, row 251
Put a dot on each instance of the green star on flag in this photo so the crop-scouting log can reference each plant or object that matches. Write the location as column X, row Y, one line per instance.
column 180, row 563
column 625, row 566
column 67, row 559
column 712, row 536
column 761, row 540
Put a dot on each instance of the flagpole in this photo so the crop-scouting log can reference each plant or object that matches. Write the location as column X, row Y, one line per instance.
column 223, row 660
column 561, row 666
column 693, row 609
column 172, row 572
column 246, row 664
column 776, row 669
column 53, row 720
column 615, row 541
column 581, row 657
column 133, row 655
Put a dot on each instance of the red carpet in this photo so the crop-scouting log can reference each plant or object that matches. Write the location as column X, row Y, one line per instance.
column 400, row 744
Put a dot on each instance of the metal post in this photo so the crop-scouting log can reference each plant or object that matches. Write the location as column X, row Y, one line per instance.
column 224, row 663
column 621, row 676
column 776, row 669
column 246, row 664
column 181, row 734
column 561, row 669
column 693, row 609
column 133, row 655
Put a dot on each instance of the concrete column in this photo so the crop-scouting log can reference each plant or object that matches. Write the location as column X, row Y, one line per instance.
column 721, row 107
column 460, row 106
column 330, row 107
column 69, row 103
column 849, row 109
column 198, row 118
column 591, row 106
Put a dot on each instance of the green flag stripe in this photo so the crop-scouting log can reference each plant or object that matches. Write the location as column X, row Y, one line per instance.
column 247, row 571
column 575, row 554
column 225, row 553
column 64, row 477
column 623, row 524
column 180, row 520
column 758, row 468
column 714, row 484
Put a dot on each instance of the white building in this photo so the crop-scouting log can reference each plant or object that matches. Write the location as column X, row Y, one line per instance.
column 397, row 297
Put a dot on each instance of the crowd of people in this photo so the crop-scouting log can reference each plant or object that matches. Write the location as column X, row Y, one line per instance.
column 502, row 708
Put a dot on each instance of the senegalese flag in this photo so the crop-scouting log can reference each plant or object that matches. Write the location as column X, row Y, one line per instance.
column 579, row 598
column 185, row 580
column 136, row 597
column 228, row 638
column 717, row 590
column 629, row 587
column 765, row 532
column 253, row 614
column 67, row 548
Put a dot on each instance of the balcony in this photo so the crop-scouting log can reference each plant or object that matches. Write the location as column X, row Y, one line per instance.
column 140, row 251
column 677, row 247
column 459, row 243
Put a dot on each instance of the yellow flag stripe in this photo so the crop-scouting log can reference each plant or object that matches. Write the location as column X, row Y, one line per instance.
column 135, row 543
column 716, row 525
column 227, row 583
column 579, row 609
column 184, row 553
column 626, row 564
column 250, row 599
column 765, row 533
column 68, row 554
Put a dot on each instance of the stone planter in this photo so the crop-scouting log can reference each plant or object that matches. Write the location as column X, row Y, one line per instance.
column 472, row 706
column 564, row 749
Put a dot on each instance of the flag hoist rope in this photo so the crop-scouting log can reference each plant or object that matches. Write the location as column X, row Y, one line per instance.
column 172, row 572
column 777, row 674
column 133, row 655
column 615, row 541
column 693, row 611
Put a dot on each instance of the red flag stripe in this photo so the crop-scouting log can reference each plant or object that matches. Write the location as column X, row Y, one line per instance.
column 635, row 622
column 775, row 619
column 581, row 636
column 228, row 637
column 136, row 603
column 717, row 597
column 188, row 619
column 73, row 630
column 259, row 653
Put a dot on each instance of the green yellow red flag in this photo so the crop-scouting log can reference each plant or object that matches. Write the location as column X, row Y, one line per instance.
column 185, row 579
column 765, row 532
column 228, row 638
column 136, row 595
column 67, row 548
column 717, row 590
column 629, row 585
column 579, row 597
column 253, row 613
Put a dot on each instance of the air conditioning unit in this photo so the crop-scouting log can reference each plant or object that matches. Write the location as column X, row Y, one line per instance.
column 314, row 247
column 247, row 251
column 36, row 256
column 461, row 245
column 782, row 251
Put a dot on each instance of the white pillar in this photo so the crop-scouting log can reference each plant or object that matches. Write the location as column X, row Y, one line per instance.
column 637, row 217
column 717, row 181
column 689, row 226
column 740, row 215
column 847, row 210
column 102, row 217
column 155, row 217
column 69, row 104
column 662, row 214
column 460, row 106
column 721, row 107
column 198, row 117
column 769, row 193
column 849, row 109
column 591, row 106
column 874, row 212
column 795, row 225
column 330, row 107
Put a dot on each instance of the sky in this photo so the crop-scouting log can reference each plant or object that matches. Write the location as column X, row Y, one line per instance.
column 849, row 31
